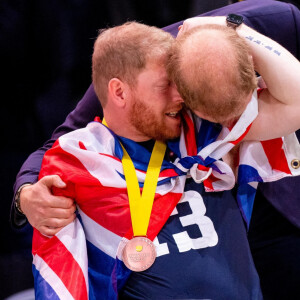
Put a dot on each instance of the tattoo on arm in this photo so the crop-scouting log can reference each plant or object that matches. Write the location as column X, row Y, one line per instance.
column 268, row 47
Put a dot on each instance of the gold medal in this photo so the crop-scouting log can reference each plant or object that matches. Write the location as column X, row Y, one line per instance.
column 139, row 254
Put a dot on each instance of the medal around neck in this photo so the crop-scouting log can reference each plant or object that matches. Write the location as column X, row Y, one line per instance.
column 139, row 254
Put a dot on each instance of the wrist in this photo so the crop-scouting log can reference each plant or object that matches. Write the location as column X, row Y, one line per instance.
column 18, row 197
column 245, row 31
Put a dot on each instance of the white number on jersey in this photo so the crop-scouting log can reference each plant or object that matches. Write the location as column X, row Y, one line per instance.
column 183, row 241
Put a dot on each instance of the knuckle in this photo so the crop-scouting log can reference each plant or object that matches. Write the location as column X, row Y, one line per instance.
column 43, row 230
column 72, row 208
column 70, row 202
column 69, row 214
column 53, row 223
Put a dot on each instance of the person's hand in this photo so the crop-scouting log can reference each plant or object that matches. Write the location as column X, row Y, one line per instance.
column 188, row 24
column 44, row 211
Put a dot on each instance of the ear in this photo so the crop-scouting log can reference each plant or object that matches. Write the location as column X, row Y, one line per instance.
column 117, row 91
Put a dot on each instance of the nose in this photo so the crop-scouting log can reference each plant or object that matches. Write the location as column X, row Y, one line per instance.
column 175, row 94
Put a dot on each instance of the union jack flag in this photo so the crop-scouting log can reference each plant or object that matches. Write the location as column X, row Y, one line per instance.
column 84, row 260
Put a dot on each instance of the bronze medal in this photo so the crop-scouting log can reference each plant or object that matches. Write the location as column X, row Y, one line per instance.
column 139, row 254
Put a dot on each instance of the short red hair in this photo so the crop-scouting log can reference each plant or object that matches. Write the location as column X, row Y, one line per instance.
column 123, row 51
column 213, row 71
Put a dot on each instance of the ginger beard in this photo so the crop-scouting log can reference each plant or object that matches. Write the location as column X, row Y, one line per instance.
column 159, row 126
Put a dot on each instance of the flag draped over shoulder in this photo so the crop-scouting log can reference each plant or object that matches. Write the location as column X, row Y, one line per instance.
column 84, row 260
column 265, row 161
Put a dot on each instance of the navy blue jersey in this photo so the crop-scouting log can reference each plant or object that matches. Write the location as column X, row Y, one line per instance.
column 202, row 253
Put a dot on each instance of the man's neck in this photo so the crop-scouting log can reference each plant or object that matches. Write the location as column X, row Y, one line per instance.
column 148, row 144
column 123, row 128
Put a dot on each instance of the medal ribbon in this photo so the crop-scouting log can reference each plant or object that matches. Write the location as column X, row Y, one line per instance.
column 141, row 205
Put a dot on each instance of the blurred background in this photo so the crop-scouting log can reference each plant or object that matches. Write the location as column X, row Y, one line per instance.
column 46, row 49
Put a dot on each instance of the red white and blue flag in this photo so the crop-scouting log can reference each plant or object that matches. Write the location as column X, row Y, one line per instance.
column 84, row 260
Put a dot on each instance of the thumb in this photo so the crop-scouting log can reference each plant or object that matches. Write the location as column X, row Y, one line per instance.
column 53, row 180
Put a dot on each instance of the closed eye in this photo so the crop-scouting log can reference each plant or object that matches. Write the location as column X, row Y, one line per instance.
column 164, row 86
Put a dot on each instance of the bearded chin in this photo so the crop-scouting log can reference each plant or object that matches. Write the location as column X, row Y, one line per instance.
column 146, row 122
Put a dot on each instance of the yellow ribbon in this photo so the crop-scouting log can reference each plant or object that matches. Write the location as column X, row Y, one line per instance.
column 141, row 206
